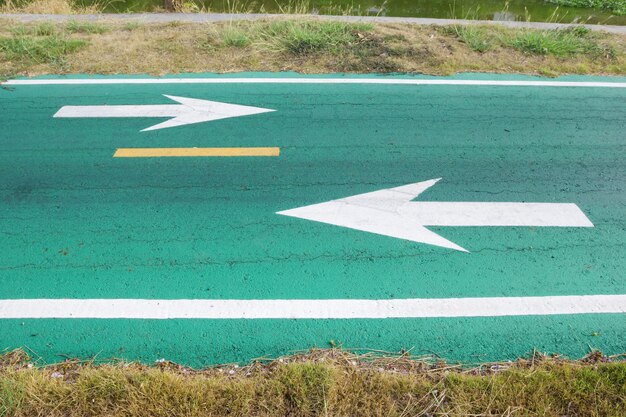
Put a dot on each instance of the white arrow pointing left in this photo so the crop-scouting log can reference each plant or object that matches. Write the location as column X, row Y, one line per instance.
column 391, row 212
column 189, row 111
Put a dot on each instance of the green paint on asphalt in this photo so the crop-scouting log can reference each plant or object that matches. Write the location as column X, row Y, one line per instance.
column 77, row 223
column 201, row 342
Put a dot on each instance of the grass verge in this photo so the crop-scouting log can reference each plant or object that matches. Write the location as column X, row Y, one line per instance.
column 303, row 45
column 321, row 382
column 617, row 7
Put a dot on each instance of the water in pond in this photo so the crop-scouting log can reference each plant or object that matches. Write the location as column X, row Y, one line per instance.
column 533, row 10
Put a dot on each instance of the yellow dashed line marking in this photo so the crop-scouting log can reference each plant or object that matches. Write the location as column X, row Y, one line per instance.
column 165, row 152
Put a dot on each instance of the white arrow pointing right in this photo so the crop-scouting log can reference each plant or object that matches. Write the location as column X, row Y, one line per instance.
column 390, row 212
column 188, row 111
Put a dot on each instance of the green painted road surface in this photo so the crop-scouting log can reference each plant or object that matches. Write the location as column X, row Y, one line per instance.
column 186, row 257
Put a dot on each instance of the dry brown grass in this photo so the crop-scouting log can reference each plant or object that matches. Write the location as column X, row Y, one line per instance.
column 49, row 7
column 321, row 382
column 309, row 47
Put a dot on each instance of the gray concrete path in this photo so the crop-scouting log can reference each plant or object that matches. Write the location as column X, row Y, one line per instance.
column 219, row 17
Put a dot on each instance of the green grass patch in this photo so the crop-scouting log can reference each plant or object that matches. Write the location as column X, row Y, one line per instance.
column 617, row 7
column 235, row 37
column 305, row 387
column 306, row 37
column 560, row 43
column 294, row 37
column 44, row 29
column 44, row 43
column 322, row 382
column 85, row 27
column 477, row 38
column 130, row 26
column 569, row 42
column 24, row 49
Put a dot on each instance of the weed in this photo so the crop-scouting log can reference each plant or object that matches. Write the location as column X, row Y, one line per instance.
column 293, row 37
column 560, row 43
column 307, row 37
column 235, row 36
column 19, row 30
column 303, row 7
column 130, row 26
column 31, row 50
column 475, row 37
column 75, row 26
column 577, row 40
column 579, row 31
column 44, row 29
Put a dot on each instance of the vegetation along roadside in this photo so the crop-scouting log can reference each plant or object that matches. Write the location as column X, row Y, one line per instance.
column 320, row 382
column 615, row 7
column 303, row 45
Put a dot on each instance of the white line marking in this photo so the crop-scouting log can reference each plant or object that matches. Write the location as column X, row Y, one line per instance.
column 389, row 81
column 189, row 111
column 390, row 212
column 310, row 309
